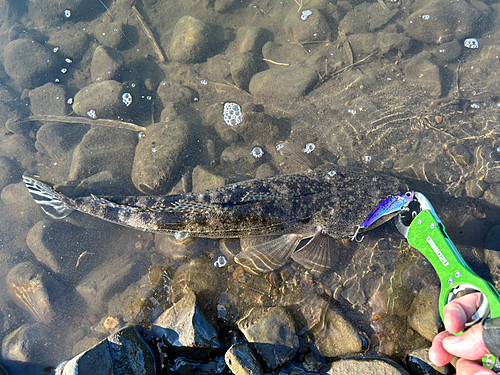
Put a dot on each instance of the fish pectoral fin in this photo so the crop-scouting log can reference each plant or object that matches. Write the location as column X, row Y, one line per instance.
column 269, row 255
column 51, row 202
column 317, row 254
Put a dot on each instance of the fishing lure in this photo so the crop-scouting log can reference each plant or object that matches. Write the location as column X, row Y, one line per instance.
column 392, row 205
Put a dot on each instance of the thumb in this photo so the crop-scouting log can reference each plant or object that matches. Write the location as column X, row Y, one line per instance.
column 469, row 345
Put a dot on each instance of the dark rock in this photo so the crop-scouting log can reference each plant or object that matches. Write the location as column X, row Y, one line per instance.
column 72, row 43
column 28, row 343
column 21, row 205
column 186, row 330
column 272, row 333
column 46, row 13
column 157, row 156
column 283, row 84
column 171, row 92
column 20, row 148
column 447, row 52
column 241, row 360
column 380, row 42
column 9, row 171
column 49, row 99
column 418, row 362
column 204, row 178
column 191, row 40
column 475, row 188
column 366, row 18
column 439, row 21
column 492, row 240
column 103, row 98
column 58, row 140
column 424, row 315
column 109, row 34
column 123, row 353
column 424, row 73
column 223, row 5
column 243, row 67
column 378, row 366
column 214, row 117
column 265, row 170
column 29, row 284
column 307, row 25
column 492, row 195
column 460, row 154
column 107, row 64
column 251, row 39
column 238, row 160
column 257, row 127
column 29, row 63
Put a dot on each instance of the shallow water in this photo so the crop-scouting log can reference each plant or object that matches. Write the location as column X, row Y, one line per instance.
column 376, row 113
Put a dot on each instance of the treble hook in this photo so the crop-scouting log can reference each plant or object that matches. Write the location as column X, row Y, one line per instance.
column 355, row 235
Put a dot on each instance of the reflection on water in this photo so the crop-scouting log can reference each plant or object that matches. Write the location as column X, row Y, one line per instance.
column 394, row 86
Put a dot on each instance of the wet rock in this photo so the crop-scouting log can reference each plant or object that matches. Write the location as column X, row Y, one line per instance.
column 58, row 140
column 29, row 63
column 283, row 84
column 241, row 360
column 9, row 171
column 439, row 21
column 475, row 188
column 21, row 205
column 377, row 366
column 46, row 13
column 107, row 64
column 272, row 333
column 284, row 53
column 205, row 178
column 28, row 285
column 492, row 240
column 223, row 5
column 238, row 160
column 487, row 164
column 265, row 170
column 251, row 39
column 100, row 100
column 27, row 344
column 424, row 315
column 109, row 34
column 381, row 42
column 257, row 127
column 49, row 99
column 72, row 43
column 214, row 117
column 20, row 148
column 460, row 154
column 123, row 353
column 158, row 154
column 243, row 67
column 447, row 52
column 418, row 362
column 307, row 25
column 191, row 40
column 366, row 18
column 104, row 149
column 335, row 336
column 424, row 73
column 188, row 366
column 58, row 244
column 171, row 92
column 186, row 330
column 492, row 195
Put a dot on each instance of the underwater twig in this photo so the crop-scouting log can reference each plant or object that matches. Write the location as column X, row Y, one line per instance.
column 149, row 34
column 275, row 63
column 354, row 64
column 114, row 20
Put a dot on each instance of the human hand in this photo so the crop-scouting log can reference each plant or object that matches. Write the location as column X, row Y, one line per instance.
column 468, row 346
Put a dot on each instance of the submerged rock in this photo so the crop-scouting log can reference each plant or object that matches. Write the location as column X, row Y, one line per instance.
column 283, row 84
column 418, row 362
column 191, row 40
column 377, row 366
column 107, row 64
column 424, row 313
column 241, row 360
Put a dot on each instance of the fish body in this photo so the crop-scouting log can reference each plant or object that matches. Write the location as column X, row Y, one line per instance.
column 328, row 201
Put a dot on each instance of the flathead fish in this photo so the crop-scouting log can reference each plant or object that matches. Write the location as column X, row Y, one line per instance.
column 326, row 204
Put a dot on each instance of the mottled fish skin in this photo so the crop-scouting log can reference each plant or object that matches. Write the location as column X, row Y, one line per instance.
column 294, row 203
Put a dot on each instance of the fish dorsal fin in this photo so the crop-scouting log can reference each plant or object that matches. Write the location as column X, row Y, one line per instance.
column 51, row 202
column 317, row 254
column 269, row 255
column 184, row 206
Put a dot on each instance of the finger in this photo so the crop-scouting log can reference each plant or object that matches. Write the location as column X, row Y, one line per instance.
column 470, row 345
column 437, row 354
column 459, row 311
column 466, row 367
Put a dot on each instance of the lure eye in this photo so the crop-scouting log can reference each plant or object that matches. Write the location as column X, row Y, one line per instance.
column 408, row 194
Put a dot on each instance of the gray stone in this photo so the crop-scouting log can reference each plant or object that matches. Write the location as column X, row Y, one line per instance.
column 492, row 240
column 21, row 205
column 49, row 99
column 272, row 333
column 123, row 353
column 223, row 5
column 20, row 148
column 444, row 21
column 109, row 34
column 107, row 64
column 424, row 315
column 103, row 98
column 186, row 330
column 492, row 195
column 58, row 140
column 377, row 366
column 205, row 178
column 238, row 160
column 241, row 360
column 29, row 63
column 283, row 84
column 313, row 28
column 460, row 154
column 251, row 39
column 214, row 117
column 191, row 40
column 28, row 343
column 72, row 43
column 422, row 72
column 243, row 67
column 9, row 171
column 171, row 92
column 157, row 156
column 418, row 362
column 257, row 127
column 366, row 17
column 447, row 52
column 475, row 188
column 381, row 42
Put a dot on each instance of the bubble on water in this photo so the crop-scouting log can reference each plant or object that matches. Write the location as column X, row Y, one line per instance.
column 310, row 147
column 127, row 98
column 68, row 60
column 70, row 101
column 471, row 43
column 498, row 149
column 279, row 146
column 475, row 106
column 257, row 152
column 232, row 114
column 55, row 49
column 142, row 135
column 498, row 105
column 220, row 262
column 92, row 114
column 195, row 99
column 67, row 13
column 153, row 149
column 132, row 84
column 332, row 173
column 204, row 82
column 305, row 14
column 426, row 17
column 57, row 80
column 352, row 111
column 149, row 97
column 181, row 236
column 64, row 70
column 367, row 159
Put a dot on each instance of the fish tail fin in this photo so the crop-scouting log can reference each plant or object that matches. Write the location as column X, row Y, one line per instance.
column 52, row 203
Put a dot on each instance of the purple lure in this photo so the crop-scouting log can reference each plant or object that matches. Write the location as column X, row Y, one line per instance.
column 392, row 205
